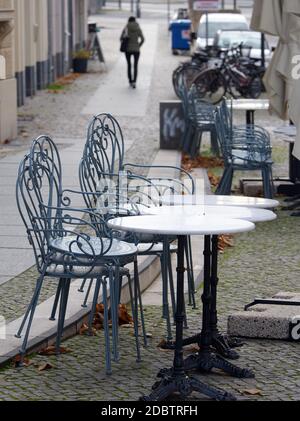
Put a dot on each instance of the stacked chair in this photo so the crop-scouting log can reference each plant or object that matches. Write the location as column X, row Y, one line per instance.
column 72, row 243
column 69, row 243
column 199, row 118
column 101, row 166
column 244, row 148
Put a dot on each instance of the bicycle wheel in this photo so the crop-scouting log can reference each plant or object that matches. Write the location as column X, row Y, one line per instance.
column 255, row 88
column 210, row 85
column 183, row 77
column 176, row 80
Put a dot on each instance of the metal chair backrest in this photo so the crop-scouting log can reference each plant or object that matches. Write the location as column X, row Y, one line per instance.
column 105, row 144
column 202, row 110
column 52, row 224
column 222, row 132
column 227, row 116
column 39, row 195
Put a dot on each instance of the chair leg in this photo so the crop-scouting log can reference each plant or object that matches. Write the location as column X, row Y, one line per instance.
column 135, row 317
column 94, row 305
column 188, row 137
column 190, row 275
column 31, row 315
column 268, row 182
column 84, row 305
column 114, row 314
column 106, row 329
column 214, row 142
column 139, row 298
column 62, row 313
column 56, row 300
column 81, row 289
column 30, row 307
column 196, row 144
column 226, row 182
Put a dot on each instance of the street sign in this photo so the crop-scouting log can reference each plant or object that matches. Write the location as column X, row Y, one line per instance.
column 206, row 5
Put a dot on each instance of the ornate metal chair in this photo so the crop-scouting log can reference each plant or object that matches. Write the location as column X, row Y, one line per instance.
column 244, row 148
column 102, row 163
column 68, row 243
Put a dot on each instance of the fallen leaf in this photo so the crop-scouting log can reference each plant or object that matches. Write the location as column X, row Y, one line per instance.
column 85, row 330
column 224, row 242
column 124, row 316
column 51, row 350
column 45, row 367
column 214, row 180
column 17, row 361
column 251, row 392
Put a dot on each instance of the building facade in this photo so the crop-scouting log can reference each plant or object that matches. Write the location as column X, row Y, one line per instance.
column 37, row 40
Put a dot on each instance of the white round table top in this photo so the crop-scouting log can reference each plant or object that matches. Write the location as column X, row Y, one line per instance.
column 247, row 214
column 214, row 200
column 249, row 104
column 180, row 225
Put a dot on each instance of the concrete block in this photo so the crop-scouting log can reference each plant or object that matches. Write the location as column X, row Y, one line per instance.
column 264, row 320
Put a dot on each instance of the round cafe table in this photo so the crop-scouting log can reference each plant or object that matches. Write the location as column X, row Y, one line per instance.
column 222, row 343
column 176, row 379
column 254, row 215
column 214, row 200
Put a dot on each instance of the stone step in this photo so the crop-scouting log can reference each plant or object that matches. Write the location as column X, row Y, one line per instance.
column 267, row 321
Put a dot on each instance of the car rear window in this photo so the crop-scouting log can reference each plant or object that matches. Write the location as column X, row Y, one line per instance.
column 214, row 27
column 248, row 39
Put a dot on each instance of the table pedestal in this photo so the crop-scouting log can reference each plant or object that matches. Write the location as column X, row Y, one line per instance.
column 175, row 380
column 223, row 344
column 206, row 360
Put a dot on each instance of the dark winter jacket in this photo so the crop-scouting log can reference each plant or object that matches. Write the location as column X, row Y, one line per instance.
column 135, row 35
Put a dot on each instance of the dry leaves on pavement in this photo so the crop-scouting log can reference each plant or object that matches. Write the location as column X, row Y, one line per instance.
column 51, row 350
column 45, row 367
column 201, row 162
column 17, row 361
column 251, row 392
column 213, row 179
column 225, row 241
column 125, row 319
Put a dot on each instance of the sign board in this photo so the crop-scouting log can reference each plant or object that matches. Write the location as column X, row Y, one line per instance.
column 172, row 124
column 206, row 5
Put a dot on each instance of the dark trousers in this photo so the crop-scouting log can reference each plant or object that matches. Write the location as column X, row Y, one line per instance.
column 136, row 57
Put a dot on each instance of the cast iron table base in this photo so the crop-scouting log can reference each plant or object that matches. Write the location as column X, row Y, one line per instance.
column 171, row 383
column 223, row 344
column 176, row 380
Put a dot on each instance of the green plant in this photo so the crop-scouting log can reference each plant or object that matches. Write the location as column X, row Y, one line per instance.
column 82, row 54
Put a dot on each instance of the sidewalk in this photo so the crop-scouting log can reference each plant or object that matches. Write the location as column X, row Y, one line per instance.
column 65, row 117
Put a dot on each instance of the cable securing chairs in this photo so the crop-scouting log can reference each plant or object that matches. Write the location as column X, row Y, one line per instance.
column 68, row 243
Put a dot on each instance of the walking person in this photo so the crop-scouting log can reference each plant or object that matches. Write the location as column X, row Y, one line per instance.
column 135, row 39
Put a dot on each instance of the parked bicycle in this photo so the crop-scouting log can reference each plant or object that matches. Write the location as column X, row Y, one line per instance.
column 233, row 75
column 189, row 70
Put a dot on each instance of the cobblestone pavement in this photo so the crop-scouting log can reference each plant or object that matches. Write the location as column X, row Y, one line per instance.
column 261, row 263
